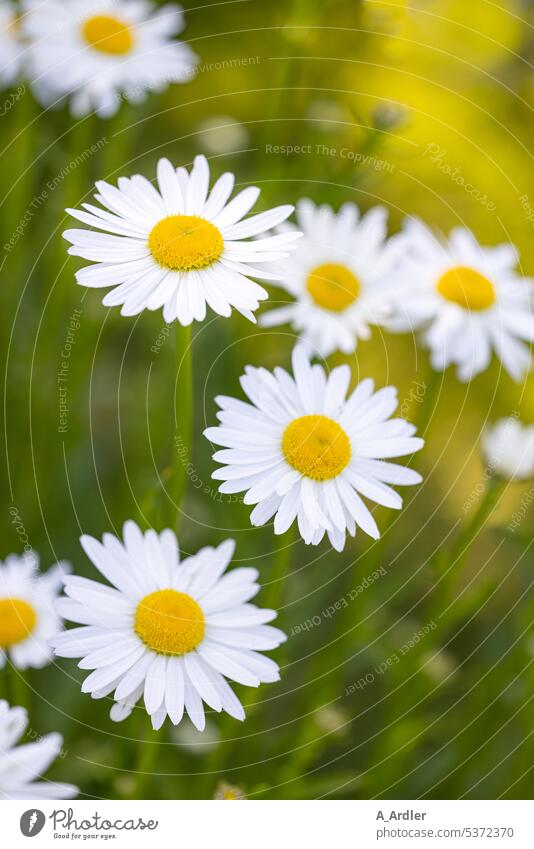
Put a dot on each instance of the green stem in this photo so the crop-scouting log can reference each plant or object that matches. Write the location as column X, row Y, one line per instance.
column 19, row 688
column 183, row 420
column 147, row 757
column 467, row 535
column 428, row 404
column 447, row 563
column 273, row 592
column 215, row 763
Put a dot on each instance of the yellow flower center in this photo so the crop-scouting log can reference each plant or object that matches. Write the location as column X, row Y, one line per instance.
column 316, row 446
column 185, row 242
column 108, row 34
column 17, row 621
column 333, row 287
column 466, row 287
column 169, row 622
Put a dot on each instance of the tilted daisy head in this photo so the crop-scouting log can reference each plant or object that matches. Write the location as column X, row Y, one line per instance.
column 336, row 275
column 20, row 766
column 28, row 618
column 228, row 792
column 97, row 52
column 180, row 246
column 11, row 44
column 508, row 448
column 302, row 450
column 467, row 298
column 165, row 631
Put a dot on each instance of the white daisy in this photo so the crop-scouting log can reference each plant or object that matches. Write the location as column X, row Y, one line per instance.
column 301, row 450
column 468, row 298
column 11, row 45
column 27, row 610
column 167, row 631
column 179, row 248
column 508, row 448
column 336, row 276
column 21, row 765
column 100, row 51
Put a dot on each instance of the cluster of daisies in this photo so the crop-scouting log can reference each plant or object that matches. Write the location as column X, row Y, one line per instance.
column 178, row 246
column 166, row 631
column 305, row 447
column 93, row 53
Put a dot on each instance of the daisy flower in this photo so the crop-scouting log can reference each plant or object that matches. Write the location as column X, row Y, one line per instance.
column 508, row 448
column 182, row 247
column 21, row 765
column 228, row 792
column 336, row 276
column 27, row 610
column 302, row 450
column 99, row 51
column 11, row 46
column 165, row 631
column 468, row 299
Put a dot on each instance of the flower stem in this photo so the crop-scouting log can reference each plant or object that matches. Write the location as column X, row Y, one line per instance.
column 428, row 404
column 20, row 693
column 183, row 422
column 221, row 757
column 149, row 746
column 467, row 535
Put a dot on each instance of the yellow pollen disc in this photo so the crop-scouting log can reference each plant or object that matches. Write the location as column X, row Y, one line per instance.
column 185, row 242
column 17, row 621
column 333, row 287
column 108, row 34
column 317, row 447
column 169, row 622
column 466, row 287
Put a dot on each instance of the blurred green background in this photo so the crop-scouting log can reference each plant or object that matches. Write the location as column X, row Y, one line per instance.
column 427, row 108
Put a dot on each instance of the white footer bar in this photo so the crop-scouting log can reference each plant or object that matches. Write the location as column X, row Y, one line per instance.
column 268, row 824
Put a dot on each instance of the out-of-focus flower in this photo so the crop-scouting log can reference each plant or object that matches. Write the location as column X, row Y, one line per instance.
column 167, row 631
column 332, row 719
column 389, row 116
column 301, row 450
column 336, row 274
column 97, row 52
column 179, row 248
column 329, row 115
column 508, row 448
column 222, row 134
column 11, row 45
column 438, row 665
column 28, row 618
column 21, row 765
column 228, row 792
column 467, row 298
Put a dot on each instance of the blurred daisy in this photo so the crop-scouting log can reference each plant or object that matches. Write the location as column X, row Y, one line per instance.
column 222, row 134
column 11, row 45
column 302, row 451
column 468, row 298
column 336, row 275
column 21, row 765
column 179, row 248
column 99, row 51
column 27, row 610
column 508, row 447
column 167, row 631
column 228, row 792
